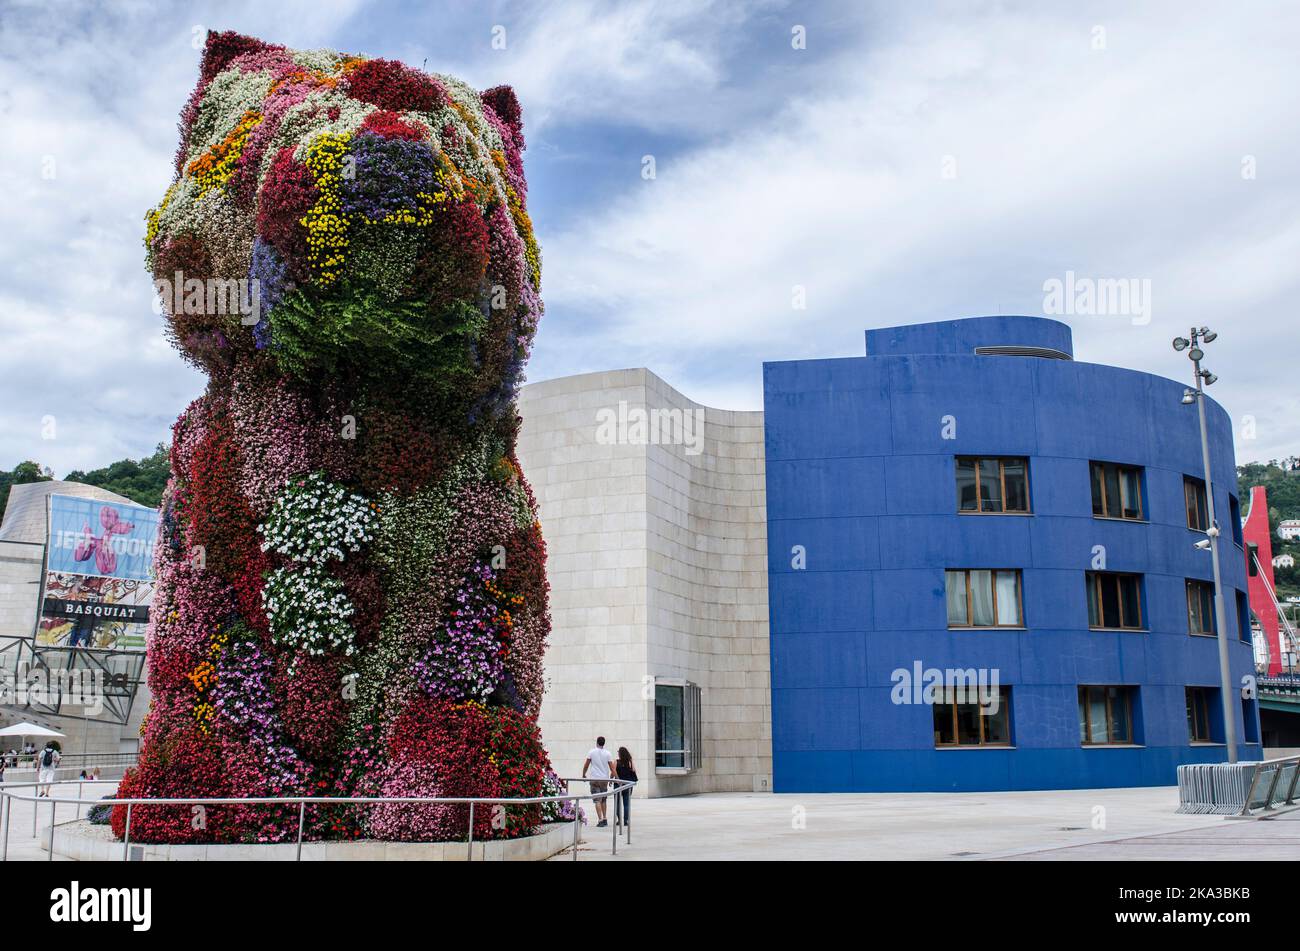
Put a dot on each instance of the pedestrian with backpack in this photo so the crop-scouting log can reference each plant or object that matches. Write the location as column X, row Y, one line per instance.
column 48, row 762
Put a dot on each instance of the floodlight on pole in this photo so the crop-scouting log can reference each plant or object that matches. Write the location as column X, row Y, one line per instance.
column 1204, row 378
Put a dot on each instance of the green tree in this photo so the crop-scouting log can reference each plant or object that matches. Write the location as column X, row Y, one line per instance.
column 140, row 480
column 21, row 474
column 1281, row 479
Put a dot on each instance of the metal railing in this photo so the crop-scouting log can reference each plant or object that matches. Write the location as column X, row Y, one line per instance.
column 613, row 787
column 69, row 760
column 1283, row 773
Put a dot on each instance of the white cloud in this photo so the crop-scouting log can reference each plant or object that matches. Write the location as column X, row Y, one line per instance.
column 1123, row 162
column 776, row 168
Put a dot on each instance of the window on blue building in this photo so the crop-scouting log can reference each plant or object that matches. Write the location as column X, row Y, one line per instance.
column 1106, row 715
column 992, row 485
column 1116, row 491
column 961, row 719
column 1201, row 724
column 1250, row 721
column 1114, row 601
column 1200, row 608
column 1198, row 511
column 983, row 597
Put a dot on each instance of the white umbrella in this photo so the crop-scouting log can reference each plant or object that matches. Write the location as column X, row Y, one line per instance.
column 29, row 729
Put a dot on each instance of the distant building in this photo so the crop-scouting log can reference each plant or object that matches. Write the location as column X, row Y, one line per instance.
column 1283, row 561
column 1289, row 529
column 24, row 558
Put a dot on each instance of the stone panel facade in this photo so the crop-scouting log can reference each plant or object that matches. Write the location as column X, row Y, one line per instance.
column 653, row 510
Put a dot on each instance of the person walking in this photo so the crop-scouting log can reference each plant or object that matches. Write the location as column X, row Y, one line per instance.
column 48, row 762
column 625, row 769
column 599, row 763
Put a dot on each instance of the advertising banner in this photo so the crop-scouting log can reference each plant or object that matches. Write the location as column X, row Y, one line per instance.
column 99, row 574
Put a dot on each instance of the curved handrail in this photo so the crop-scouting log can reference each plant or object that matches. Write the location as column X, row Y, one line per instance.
column 614, row 787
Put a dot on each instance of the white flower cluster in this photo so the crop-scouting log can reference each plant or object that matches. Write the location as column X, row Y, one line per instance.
column 308, row 609
column 315, row 521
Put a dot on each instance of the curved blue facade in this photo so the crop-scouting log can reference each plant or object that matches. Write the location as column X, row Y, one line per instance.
column 864, row 522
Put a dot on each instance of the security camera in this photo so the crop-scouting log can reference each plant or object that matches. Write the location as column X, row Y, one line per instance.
column 1203, row 544
column 1213, row 531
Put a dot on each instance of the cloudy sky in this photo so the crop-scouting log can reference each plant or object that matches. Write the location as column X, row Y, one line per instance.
column 912, row 162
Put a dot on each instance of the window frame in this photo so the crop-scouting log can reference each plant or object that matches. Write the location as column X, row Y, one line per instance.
column 1120, row 469
column 1092, row 580
column 1207, row 588
column 1004, row 703
column 691, row 728
column 1194, row 491
column 970, row 609
column 1002, row 485
column 1086, row 711
column 1204, row 698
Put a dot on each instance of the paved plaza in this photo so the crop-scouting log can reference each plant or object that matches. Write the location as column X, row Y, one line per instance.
column 1138, row 824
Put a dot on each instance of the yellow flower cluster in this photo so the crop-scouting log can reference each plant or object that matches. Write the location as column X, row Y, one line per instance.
column 524, row 225
column 203, row 714
column 327, row 226
column 421, row 216
column 218, row 643
column 154, row 215
column 213, row 168
column 204, row 678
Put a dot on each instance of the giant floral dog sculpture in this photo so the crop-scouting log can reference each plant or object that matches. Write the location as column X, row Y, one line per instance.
column 351, row 593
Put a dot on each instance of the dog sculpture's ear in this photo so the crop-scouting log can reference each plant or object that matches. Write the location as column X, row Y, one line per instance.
column 505, row 104
column 221, row 48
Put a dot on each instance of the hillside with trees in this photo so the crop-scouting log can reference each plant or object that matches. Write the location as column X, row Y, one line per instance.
column 21, row 474
column 140, row 480
column 1281, row 478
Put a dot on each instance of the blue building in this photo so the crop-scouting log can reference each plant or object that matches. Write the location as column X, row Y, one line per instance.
column 968, row 503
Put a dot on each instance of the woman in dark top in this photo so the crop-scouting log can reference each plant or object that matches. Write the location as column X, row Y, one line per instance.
column 626, row 770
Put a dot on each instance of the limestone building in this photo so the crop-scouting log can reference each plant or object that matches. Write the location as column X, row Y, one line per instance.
column 653, row 509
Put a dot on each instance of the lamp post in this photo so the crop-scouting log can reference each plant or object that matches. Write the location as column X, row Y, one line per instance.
column 1205, row 378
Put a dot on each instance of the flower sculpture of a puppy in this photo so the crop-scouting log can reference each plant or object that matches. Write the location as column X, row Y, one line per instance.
column 351, row 594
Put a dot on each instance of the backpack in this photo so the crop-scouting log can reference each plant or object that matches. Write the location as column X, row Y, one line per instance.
column 48, row 758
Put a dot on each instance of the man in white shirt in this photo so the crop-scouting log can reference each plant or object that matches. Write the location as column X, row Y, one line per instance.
column 600, row 762
column 47, row 762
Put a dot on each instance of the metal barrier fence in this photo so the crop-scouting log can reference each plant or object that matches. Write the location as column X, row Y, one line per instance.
column 1283, row 772
column 613, row 787
column 1234, row 789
